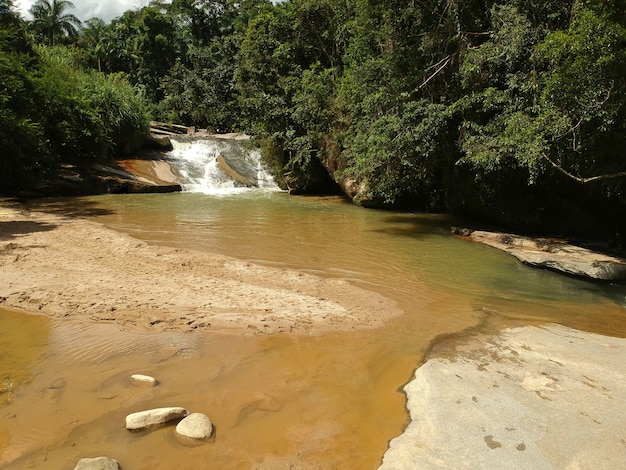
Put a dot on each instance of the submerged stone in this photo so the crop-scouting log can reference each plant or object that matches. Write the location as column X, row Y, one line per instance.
column 97, row 463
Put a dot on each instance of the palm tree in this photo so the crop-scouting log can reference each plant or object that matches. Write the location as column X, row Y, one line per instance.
column 50, row 21
column 94, row 35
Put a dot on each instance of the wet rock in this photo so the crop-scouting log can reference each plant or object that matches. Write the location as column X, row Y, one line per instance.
column 557, row 255
column 97, row 463
column 143, row 380
column 145, row 419
column 159, row 142
column 116, row 185
column 196, row 426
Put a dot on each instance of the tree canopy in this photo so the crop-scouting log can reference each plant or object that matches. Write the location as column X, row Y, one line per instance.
column 509, row 110
column 53, row 112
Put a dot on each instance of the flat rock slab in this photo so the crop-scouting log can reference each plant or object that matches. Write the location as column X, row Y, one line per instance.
column 540, row 398
column 552, row 254
column 97, row 463
column 154, row 417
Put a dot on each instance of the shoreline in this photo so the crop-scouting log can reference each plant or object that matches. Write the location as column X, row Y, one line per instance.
column 63, row 266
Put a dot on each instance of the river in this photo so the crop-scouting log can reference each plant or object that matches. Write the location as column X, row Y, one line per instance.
column 281, row 401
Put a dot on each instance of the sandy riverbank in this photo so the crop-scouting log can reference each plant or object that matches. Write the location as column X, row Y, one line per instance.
column 62, row 266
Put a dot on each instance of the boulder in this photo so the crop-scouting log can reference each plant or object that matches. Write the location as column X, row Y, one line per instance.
column 554, row 254
column 223, row 165
column 196, row 426
column 97, row 463
column 145, row 419
column 114, row 185
column 158, row 142
column 144, row 380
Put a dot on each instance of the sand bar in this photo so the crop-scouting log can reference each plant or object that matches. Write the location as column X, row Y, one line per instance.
column 63, row 266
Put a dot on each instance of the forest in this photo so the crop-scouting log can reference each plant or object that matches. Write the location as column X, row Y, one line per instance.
column 507, row 111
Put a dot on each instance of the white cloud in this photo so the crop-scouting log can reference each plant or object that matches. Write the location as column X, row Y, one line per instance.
column 86, row 9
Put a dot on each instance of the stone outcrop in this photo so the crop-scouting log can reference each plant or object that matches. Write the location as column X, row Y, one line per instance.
column 148, row 418
column 97, row 463
column 155, row 171
column 223, row 165
column 552, row 254
column 530, row 397
column 196, row 426
column 158, row 142
column 75, row 180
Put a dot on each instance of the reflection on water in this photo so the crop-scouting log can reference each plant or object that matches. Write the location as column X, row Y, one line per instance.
column 309, row 402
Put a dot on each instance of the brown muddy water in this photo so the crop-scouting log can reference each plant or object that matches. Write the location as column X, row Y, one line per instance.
column 323, row 402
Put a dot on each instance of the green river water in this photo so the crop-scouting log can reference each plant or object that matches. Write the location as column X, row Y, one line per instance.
column 330, row 401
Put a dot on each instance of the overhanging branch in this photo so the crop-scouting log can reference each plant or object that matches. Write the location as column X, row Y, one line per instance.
column 581, row 179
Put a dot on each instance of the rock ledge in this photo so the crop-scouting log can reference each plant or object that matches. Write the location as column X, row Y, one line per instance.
column 552, row 254
column 530, row 397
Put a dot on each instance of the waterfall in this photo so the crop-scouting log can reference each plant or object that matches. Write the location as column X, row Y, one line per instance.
column 217, row 165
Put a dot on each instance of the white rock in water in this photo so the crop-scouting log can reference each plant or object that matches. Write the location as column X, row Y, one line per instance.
column 147, row 418
column 140, row 379
column 195, row 426
column 97, row 463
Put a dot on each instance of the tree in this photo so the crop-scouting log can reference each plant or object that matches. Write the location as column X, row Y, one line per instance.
column 24, row 157
column 200, row 88
column 94, row 38
column 142, row 44
column 53, row 112
column 51, row 23
column 6, row 9
column 551, row 101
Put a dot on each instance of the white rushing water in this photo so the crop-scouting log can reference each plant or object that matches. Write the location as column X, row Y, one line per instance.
column 196, row 160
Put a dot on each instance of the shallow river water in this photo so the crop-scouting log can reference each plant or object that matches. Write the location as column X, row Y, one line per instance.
column 329, row 401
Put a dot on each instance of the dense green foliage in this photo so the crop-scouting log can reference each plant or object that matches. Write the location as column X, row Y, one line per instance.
column 21, row 139
column 52, row 112
column 513, row 110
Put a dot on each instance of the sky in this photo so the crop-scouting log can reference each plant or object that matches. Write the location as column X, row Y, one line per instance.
column 86, row 9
